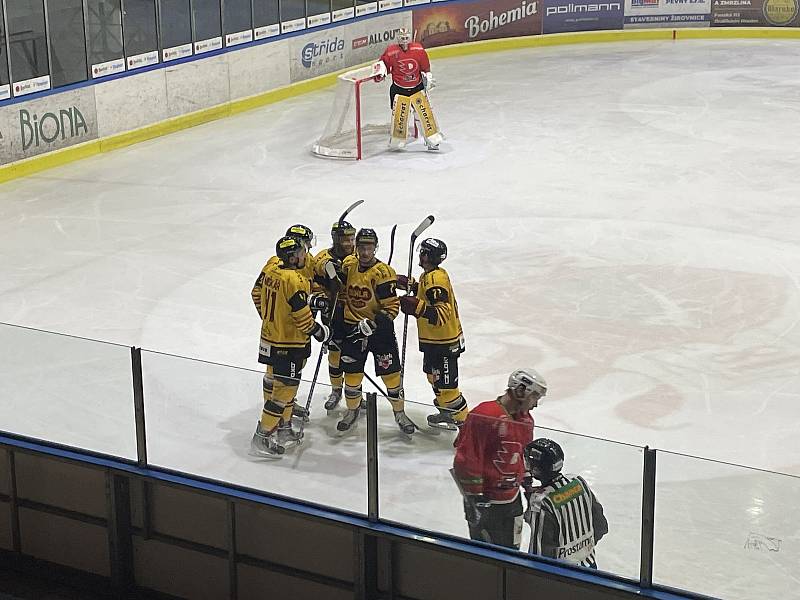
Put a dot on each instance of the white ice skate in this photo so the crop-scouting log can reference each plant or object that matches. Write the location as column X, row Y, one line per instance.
column 265, row 444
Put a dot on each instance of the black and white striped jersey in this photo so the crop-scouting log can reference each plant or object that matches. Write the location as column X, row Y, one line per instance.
column 566, row 521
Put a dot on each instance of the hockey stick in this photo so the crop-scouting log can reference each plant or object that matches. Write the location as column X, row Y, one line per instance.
column 349, row 210
column 386, row 395
column 391, row 244
column 426, row 222
column 330, row 270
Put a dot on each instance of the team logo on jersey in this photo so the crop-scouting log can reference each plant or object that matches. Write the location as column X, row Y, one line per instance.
column 359, row 296
column 384, row 360
column 508, row 457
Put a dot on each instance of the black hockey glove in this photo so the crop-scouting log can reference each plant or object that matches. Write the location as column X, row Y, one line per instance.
column 321, row 333
column 383, row 322
column 363, row 329
column 474, row 507
column 319, row 302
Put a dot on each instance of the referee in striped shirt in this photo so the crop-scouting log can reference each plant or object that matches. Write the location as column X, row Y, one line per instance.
column 565, row 517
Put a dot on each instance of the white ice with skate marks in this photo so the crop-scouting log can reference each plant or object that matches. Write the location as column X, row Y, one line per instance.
column 622, row 217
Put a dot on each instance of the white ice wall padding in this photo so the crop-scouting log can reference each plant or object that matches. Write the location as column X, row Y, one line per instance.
column 131, row 102
column 258, row 69
column 360, row 107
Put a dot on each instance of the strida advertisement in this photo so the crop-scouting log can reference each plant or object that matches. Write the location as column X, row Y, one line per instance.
column 454, row 23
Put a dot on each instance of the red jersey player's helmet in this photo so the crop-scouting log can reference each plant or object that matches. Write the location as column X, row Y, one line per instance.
column 525, row 381
column 404, row 37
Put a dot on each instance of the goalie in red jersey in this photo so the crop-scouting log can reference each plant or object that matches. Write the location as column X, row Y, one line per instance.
column 410, row 68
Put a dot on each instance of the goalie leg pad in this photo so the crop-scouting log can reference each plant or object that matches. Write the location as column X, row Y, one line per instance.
column 430, row 129
column 400, row 116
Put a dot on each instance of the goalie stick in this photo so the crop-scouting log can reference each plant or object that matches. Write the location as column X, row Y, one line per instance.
column 426, row 222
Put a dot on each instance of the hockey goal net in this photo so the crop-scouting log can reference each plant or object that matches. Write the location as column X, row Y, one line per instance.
column 359, row 121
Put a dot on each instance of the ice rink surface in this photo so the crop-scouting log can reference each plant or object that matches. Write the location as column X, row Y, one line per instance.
column 623, row 217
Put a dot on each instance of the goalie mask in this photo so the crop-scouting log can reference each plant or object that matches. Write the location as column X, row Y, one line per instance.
column 434, row 249
column 544, row 459
column 403, row 37
column 302, row 232
column 526, row 381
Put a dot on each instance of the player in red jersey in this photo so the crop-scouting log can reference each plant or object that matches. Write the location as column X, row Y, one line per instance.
column 489, row 467
column 410, row 68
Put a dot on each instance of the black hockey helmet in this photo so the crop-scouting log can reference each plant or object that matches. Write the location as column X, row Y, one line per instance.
column 288, row 246
column 302, row 232
column 342, row 229
column 367, row 236
column 434, row 249
column 544, row 459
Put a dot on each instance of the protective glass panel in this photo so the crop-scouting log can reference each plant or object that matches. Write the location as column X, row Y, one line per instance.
column 201, row 419
column 265, row 12
column 3, row 58
column 207, row 23
column 67, row 41
column 317, row 7
column 104, row 29
column 292, row 9
column 725, row 530
column 26, row 36
column 139, row 27
column 176, row 23
column 486, row 496
column 340, row 4
column 237, row 16
column 67, row 390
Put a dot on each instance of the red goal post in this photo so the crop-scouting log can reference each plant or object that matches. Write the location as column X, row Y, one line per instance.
column 360, row 118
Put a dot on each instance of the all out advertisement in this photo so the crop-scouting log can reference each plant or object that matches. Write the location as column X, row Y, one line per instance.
column 332, row 49
column 667, row 13
column 562, row 16
column 755, row 13
column 454, row 23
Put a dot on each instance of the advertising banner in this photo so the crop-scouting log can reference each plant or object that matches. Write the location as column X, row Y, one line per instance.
column 454, row 23
column 340, row 47
column 754, row 13
column 667, row 13
column 561, row 16
column 47, row 124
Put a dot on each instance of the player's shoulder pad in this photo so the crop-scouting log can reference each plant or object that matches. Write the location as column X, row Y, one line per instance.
column 323, row 255
column 440, row 277
column 416, row 46
column 384, row 271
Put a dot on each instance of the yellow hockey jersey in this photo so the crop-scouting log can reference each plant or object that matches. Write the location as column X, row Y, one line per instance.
column 281, row 299
column 438, row 324
column 369, row 291
column 307, row 271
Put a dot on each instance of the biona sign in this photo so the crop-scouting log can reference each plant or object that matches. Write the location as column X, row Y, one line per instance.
column 51, row 126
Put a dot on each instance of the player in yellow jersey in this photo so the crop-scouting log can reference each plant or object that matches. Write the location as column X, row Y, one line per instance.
column 343, row 237
column 441, row 339
column 371, row 305
column 303, row 233
column 281, row 298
